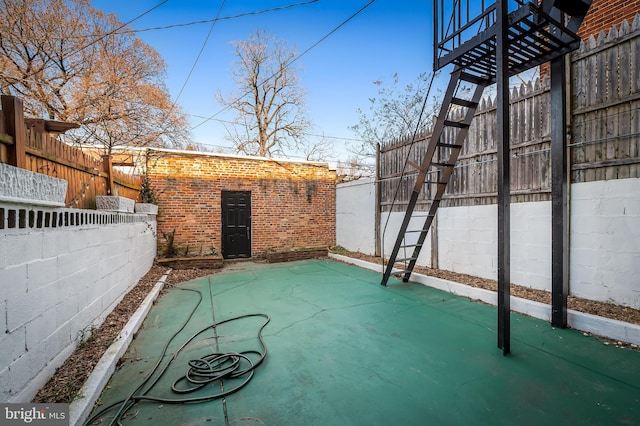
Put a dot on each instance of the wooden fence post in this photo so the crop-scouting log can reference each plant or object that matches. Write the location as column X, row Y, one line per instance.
column 107, row 167
column 13, row 113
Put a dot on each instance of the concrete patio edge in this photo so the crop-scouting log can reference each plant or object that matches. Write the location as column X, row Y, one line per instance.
column 600, row 326
column 80, row 408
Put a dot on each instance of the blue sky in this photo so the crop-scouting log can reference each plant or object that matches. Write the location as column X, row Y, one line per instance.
column 389, row 36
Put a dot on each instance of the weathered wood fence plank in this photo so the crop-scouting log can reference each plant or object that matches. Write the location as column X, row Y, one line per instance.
column 28, row 144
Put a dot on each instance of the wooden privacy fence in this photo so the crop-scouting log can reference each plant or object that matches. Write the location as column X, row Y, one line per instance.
column 604, row 132
column 606, row 105
column 32, row 144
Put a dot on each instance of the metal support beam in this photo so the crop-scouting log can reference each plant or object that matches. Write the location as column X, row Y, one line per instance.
column 559, row 214
column 504, row 181
column 378, row 246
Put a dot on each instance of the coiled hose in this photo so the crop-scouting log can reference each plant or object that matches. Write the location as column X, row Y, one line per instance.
column 208, row 369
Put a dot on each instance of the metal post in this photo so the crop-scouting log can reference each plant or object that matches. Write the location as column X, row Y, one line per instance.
column 559, row 215
column 504, row 182
column 377, row 183
column 436, row 34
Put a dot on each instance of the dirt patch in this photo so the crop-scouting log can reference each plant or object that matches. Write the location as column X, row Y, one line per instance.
column 65, row 384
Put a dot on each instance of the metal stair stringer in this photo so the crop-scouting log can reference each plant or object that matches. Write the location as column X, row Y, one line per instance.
column 444, row 167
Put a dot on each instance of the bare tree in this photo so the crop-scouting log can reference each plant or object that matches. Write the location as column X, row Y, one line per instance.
column 271, row 117
column 319, row 148
column 354, row 168
column 70, row 62
column 393, row 114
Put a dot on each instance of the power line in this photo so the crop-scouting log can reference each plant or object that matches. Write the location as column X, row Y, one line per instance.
column 213, row 24
column 329, row 34
column 295, row 58
column 303, row 133
column 120, row 30
column 120, row 27
column 223, row 18
column 340, row 163
column 80, row 49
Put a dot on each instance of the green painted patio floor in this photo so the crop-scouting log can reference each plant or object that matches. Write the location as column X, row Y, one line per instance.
column 344, row 350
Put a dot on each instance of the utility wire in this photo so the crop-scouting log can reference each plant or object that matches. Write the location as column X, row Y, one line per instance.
column 200, row 22
column 303, row 133
column 204, row 44
column 404, row 167
column 80, row 49
column 224, row 18
column 120, row 27
column 286, row 65
column 213, row 23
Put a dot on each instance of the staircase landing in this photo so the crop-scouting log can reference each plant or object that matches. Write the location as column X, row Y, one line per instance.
column 535, row 37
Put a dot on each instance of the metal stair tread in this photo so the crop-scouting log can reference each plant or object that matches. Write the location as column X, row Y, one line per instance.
column 449, row 145
column 457, row 124
column 464, row 102
column 442, row 167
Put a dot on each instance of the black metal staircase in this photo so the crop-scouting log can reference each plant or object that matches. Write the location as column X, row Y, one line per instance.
column 466, row 34
column 537, row 32
column 437, row 166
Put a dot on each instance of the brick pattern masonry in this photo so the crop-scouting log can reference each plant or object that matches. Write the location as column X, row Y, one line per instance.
column 293, row 203
column 603, row 14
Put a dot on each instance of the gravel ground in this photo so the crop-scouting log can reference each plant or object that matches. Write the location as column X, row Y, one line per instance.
column 65, row 384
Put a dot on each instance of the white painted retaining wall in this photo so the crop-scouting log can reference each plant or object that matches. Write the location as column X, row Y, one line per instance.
column 356, row 216
column 389, row 226
column 468, row 241
column 604, row 241
column 56, row 282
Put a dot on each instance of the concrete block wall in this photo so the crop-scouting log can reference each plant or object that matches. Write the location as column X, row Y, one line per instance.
column 57, row 281
column 355, row 216
column 604, row 241
column 468, row 241
column 392, row 224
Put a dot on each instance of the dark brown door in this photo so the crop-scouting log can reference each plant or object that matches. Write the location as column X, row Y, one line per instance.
column 236, row 224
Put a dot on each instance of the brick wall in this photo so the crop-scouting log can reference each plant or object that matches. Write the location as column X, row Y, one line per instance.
column 292, row 203
column 602, row 15
column 605, row 13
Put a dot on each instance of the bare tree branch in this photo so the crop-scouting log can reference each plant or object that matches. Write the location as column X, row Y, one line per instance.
column 269, row 101
column 113, row 86
column 392, row 115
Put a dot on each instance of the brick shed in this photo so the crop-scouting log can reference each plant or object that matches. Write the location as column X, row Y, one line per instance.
column 241, row 206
